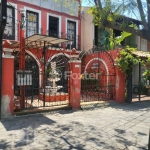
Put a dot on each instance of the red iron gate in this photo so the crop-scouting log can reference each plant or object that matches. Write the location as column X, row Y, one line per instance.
column 98, row 76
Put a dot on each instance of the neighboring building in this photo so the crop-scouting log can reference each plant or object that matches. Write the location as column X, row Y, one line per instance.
column 87, row 30
column 45, row 17
column 89, row 38
column 89, row 34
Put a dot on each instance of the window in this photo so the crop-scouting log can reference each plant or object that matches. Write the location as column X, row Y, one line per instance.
column 32, row 23
column 9, row 32
column 53, row 26
column 95, row 36
column 144, row 45
column 71, row 33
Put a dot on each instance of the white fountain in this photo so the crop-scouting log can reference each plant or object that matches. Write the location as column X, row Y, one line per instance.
column 54, row 76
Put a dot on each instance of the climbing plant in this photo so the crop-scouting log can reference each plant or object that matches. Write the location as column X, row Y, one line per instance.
column 126, row 60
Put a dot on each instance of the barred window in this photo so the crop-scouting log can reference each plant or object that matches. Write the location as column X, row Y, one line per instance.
column 71, row 33
column 53, row 26
column 31, row 23
column 9, row 32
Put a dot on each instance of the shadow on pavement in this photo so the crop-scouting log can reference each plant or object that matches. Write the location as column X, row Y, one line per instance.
column 143, row 105
column 22, row 122
column 41, row 132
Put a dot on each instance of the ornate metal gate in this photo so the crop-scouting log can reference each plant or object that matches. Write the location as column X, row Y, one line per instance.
column 98, row 76
column 40, row 89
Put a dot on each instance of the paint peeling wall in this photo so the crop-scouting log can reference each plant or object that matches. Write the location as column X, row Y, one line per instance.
column 71, row 7
column 7, row 107
column 6, row 110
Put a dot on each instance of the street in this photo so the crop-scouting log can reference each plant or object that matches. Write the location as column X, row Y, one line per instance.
column 109, row 127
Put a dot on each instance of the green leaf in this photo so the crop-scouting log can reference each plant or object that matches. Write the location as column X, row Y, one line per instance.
column 119, row 39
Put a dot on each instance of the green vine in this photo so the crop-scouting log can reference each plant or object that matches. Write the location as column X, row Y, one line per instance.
column 126, row 60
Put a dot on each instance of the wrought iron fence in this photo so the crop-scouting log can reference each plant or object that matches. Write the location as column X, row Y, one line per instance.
column 33, row 88
column 97, row 89
column 55, row 34
column 76, row 41
column 140, row 92
column 32, row 30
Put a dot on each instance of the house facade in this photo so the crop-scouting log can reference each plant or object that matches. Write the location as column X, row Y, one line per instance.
column 46, row 21
column 45, row 17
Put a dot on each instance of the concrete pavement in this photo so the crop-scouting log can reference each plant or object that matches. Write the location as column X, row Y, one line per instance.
column 111, row 127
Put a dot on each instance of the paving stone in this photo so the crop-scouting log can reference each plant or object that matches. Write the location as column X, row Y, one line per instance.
column 115, row 126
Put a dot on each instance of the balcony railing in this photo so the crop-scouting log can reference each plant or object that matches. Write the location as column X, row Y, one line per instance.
column 12, row 33
column 76, row 41
column 55, row 34
column 31, row 30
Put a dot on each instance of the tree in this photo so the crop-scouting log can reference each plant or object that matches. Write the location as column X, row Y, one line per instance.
column 111, row 14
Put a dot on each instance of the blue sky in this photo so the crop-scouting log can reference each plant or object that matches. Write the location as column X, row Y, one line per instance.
column 85, row 3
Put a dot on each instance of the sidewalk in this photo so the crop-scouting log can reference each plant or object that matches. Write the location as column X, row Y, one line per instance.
column 115, row 127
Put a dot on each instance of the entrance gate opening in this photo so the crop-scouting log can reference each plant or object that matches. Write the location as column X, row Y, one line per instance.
column 40, row 90
column 98, row 76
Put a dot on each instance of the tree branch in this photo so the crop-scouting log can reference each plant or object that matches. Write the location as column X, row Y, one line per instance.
column 142, row 33
column 148, row 11
column 98, row 3
column 142, row 15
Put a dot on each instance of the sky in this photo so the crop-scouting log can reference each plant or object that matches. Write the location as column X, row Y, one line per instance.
column 132, row 15
column 85, row 3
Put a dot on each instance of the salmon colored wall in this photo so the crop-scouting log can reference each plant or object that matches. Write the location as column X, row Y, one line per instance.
column 75, row 85
column 117, row 78
column 51, row 52
column 44, row 22
column 7, row 87
column 104, row 57
column 114, row 53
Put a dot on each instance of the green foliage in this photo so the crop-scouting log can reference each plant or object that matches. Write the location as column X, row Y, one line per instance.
column 101, row 15
column 47, row 71
column 126, row 60
column 116, row 41
column 146, row 75
column 108, row 41
column 96, row 15
column 119, row 39
column 110, row 13
column 104, row 38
